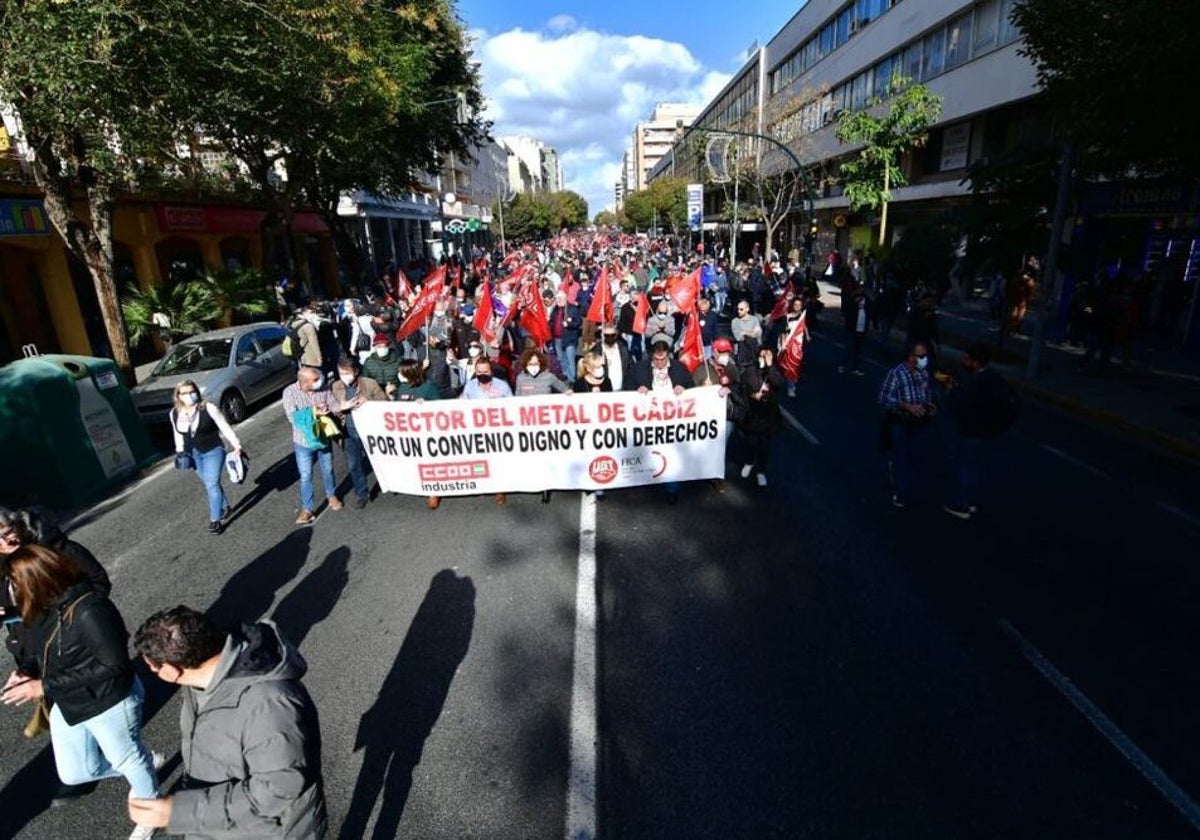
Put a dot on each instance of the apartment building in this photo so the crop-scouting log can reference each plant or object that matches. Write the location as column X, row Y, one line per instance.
column 653, row 139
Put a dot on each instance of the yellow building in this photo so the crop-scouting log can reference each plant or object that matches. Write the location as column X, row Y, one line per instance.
column 47, row 300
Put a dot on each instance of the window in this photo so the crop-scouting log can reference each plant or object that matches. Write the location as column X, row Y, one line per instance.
column 842, row 27
column 884, row 71
column 987, row 15
column 934, row 54
column 245, row 349
column 912, row 62
column 958, row 41
column 269, row 337
column 860, row 91
column 868, row 10
column 810, row 53
column 827, row 40
column 1008, row 29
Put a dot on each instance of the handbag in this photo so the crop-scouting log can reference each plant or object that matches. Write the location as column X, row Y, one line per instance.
column 184, row 461
column 39, row 721
column 236, row 466
column 326, row 429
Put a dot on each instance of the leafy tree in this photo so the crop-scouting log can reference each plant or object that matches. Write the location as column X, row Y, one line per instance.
column 1104, row 65
column 869, row 176
column 241, row 295
column 662, row 203
column 538, row 216
column 170, row 311
column 606, row 218
column 925, row 253
column 568, row 210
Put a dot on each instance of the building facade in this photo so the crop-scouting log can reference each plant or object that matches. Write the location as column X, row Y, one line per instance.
column 653, row 139
column 532, row 165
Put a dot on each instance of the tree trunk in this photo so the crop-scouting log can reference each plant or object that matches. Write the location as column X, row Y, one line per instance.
column 887, row 172
column 92, row 244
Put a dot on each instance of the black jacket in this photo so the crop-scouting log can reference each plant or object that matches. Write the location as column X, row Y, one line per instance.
column 85, row 667
column 643, row 376
column 627, row 365
column 762, row 416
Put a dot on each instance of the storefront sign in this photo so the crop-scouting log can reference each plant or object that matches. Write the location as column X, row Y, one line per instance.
column 956, row 143
column 529, row 444
column 197, row 219
column 23, row 218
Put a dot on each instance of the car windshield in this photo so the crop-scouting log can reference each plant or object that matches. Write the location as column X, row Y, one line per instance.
column 195, row 356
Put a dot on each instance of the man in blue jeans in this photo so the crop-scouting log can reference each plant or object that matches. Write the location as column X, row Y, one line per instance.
column 303, row 402
column 906, row 398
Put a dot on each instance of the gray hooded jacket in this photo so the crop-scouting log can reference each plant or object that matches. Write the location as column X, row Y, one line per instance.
column 251, row 746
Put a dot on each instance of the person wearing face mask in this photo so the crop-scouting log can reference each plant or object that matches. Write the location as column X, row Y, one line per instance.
column 304, row 401
column 592, row 375
column 198, row 426
column 351, row 390
column 534, row 377
column 383, row 364
column 760, row 385
column 304, row 326
column 565, row 324
column 907, row 401
column 617, row 358
column 660, row 326
column 485, row 385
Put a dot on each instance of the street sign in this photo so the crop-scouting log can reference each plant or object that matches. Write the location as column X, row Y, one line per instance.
column 473, row 225
column 695, row 205
column 455, row 226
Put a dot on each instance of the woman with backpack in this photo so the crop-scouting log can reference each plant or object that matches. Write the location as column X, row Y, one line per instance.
column 198, row 427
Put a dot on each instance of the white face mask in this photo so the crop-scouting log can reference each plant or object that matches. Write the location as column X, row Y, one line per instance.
column 922, row 363
column 723, row 359
column 347, row 378
column 473, row 352
column 598, row 373
column 381, row 351
column 191, row 399
column 533, row 370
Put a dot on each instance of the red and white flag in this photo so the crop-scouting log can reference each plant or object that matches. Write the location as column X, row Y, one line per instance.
column 641, row 314
column 684, row 291
column 534, row 320
column 783, row 304
column 601, row 310
column 423, row 306
column 792, row 353
column 691, row 349
column 485, row 320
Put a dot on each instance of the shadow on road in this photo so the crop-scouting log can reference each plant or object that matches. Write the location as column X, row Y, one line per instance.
column 246, row 596
column 312, row 600
column 392, row 733
column 274, row 479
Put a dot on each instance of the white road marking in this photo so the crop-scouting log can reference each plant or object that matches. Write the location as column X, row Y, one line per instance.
column 581, row 782
column 1194, row 521
column 1154, row 774
column 799, row 427
column 1071, row 459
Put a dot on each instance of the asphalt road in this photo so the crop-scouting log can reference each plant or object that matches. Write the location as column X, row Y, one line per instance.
column 799, row 661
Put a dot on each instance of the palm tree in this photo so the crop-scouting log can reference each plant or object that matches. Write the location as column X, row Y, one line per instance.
column 240, row 294
column 169, row 312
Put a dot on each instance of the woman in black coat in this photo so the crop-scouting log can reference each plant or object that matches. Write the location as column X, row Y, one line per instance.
column 761, row 383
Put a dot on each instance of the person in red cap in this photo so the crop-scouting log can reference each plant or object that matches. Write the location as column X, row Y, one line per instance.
column 383, row 364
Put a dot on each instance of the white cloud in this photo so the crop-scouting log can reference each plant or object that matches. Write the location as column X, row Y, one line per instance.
column 582, row 91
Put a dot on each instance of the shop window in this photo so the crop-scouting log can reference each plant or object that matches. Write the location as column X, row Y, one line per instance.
column 987, row 18
column 179, row 260
column 958, row 41
column 934, row 54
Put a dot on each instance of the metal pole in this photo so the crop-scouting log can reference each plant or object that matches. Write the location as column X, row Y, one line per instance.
column 1050, row 270
column 733, row 234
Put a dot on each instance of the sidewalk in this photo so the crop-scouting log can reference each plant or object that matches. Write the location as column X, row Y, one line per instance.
column 1155, row 398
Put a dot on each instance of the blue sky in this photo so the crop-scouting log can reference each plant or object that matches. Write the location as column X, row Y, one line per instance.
column 580, row 75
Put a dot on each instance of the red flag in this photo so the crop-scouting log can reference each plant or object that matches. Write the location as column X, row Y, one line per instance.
column 403, row 287
column 601, row 309
column 793, row 350
column 436, row 279
column 422, row 308
column 691, row 349
column 483, row 316
column 782, row 305
column 641, row 314
column 684, row 291
column 533, row 313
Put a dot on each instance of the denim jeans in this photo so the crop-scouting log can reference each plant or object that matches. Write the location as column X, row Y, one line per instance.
column 968, row 463
column 566, row 357
column 852, row 360
column 210, row 467
column 304, row 462
column 106, row 746
column 356, row 460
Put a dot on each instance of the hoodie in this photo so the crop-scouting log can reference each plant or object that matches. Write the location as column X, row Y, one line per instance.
column 251, row 746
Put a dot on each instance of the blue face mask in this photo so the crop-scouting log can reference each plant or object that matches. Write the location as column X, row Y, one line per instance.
column 922, row 363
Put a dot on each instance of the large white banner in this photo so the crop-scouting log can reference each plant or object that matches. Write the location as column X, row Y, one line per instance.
column 529, row 444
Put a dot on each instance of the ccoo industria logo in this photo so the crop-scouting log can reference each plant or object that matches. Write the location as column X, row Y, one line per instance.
column 459, row 471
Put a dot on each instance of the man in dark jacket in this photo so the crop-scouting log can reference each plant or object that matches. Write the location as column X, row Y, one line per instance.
column 383, row 364
column 986, row 406
column 659, row 373
column 251, row 740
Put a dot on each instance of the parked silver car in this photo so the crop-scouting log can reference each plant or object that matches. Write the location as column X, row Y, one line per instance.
column 234, row 367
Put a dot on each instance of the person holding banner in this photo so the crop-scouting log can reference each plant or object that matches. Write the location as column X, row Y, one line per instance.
column 592, row 376
column 617, row 358
column 660, row 374
column 484, row 386
column 304, row 402
column 534, row 377
column 349, row 392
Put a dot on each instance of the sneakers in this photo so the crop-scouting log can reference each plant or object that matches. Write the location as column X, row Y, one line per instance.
column 897, row 502
column 762, row 480
column 335, row 503
column 142, row 832
column 360, row 502
column 69, row 793
column 215, row 527
column 157, row 759
column 305, row 518
column 746, row 470
column 958, row 512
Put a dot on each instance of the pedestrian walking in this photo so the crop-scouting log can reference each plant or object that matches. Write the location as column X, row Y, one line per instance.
column 198, row 426
column 761, row 384
column 485, row 386
column 908, row 409
column 383, row 364
column 351, row 390
column 986, row 406
column 251, row 741
column 855, row 316
column 307, row 402
column 84, row 679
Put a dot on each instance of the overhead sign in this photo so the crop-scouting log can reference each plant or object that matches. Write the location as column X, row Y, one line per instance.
column 189, row 218
column 956, row 144
column 529, row 444
column 695, row 205
column 456, row 226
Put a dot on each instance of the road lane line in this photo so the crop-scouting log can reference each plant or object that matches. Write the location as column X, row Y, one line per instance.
column 581, row 783
column 1154, row 774
column 799, row 427
column 1194, row 521
column 1071, row 459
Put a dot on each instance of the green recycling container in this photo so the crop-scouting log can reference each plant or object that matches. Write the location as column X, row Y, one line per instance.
column 68, row 431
